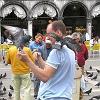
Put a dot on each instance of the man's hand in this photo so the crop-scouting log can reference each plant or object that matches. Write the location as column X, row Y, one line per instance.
column 36, row 56
column 23, row 56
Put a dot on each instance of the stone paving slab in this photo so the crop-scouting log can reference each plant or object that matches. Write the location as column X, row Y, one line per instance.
column 94, row 62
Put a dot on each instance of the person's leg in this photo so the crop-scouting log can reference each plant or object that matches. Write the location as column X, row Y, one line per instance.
column 36, row 87
column 81, row 91
column 17, row 85
column 82, row 70
column 26, row 84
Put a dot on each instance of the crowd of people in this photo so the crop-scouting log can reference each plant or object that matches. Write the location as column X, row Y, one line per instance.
column 53, row 69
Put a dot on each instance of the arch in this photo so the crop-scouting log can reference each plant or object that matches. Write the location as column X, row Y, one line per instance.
column 45, row 8
column 95, row 10
column 75, row 2
column 95, row 16
column 8, row 4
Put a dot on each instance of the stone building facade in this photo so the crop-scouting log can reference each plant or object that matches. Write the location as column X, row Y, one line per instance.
column 30, row 10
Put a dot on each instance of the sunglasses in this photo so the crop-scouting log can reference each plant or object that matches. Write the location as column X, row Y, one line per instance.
column 55, row 36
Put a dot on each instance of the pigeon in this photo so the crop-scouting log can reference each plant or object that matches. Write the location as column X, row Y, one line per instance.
column 4, row 89
column 95, row 97
column 10, row 95
column 98, row 84
column 94, row 78
column 2, row 93
column 3, row 76
column 4, row 99
column 90, row 67
column 11, row 87
column 90, row 75
column 1, row 83
column 88, row 92
column 98, row 70
column 87, row 73
column 91, row 99
column 0, row 76
column 0, row 87
column 69, row 42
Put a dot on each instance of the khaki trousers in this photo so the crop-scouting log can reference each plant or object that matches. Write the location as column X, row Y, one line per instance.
column 23, row 81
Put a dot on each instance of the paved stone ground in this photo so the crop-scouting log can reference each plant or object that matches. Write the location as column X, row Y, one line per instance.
column 7, row 81
column 94, row 62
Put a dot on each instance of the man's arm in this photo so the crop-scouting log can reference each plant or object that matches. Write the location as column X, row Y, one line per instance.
column 44, row 73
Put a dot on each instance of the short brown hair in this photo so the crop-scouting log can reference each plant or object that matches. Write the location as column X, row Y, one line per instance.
column 76, row 35
column 38, row 34
column 59, row 25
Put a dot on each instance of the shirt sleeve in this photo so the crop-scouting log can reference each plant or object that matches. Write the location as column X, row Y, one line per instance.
column 30, row 46
column 53, row 59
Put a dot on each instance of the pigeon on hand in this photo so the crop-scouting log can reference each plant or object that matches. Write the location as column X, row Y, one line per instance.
column 88, row 92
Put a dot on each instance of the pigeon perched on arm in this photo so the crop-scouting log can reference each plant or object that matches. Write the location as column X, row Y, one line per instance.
column 68, row 41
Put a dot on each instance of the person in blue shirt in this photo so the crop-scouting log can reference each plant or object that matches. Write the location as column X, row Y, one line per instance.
column 57, row 72
column 34, row 45
column 37, row 42
column 45, row 49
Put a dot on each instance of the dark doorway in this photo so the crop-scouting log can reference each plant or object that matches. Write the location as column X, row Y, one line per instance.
column 96, row 26
column 40, row 24
column 12, row 20
column 75, row 16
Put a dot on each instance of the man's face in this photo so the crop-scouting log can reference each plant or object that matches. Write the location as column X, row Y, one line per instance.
column 38, row 39
column 49, row 30
column 77, row 40
column 48, row 45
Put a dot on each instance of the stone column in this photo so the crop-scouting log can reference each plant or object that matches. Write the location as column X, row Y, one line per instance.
column 89, row 26
column 30, row 27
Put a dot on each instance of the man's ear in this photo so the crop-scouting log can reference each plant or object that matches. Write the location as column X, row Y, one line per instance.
column 59, row 33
